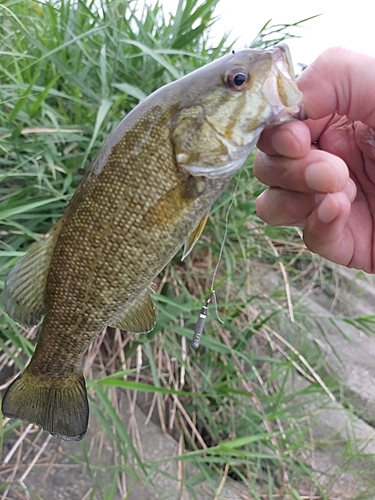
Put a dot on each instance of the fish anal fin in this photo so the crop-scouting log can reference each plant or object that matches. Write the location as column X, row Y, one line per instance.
column 58, row 405
column 140, row 317
column 23, row 295
column 194, row 237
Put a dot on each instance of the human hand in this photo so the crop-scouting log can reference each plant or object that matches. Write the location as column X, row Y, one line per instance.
column 321, row 172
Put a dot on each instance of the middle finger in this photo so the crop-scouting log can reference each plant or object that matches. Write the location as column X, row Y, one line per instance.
column 317, row 172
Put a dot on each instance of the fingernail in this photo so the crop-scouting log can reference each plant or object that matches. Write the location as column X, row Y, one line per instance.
column 329, row 209
column 321, row 176
column 351, row 190
column 326, row 211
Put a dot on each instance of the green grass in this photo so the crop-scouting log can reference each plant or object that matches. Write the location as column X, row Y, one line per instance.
column 69, row 72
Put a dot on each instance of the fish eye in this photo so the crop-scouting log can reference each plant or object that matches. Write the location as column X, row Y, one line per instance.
column 237, row 79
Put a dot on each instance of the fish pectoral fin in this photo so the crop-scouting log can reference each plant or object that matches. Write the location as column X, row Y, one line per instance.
column 194, row 237
column 140, row 318
column 59, row 405
column 23, row 295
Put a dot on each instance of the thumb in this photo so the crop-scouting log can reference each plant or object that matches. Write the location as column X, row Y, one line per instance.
column 340, row 81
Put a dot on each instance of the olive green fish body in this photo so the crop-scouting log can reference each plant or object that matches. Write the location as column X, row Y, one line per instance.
column 122, row 237
column 147, row 193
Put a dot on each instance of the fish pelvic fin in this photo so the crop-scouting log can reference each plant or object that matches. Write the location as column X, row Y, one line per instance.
column 23, row 295
column 140, row 318
column 194, row 237
column 58, row 405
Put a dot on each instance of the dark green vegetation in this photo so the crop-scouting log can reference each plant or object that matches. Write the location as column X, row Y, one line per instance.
column 69, row 72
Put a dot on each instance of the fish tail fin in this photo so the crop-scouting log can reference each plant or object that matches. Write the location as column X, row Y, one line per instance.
column 59, row 405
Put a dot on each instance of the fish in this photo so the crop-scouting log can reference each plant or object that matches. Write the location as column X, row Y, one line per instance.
column 147, row 193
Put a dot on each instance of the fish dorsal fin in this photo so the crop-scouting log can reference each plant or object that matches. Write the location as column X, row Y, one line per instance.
column 194, row 237
column 23, row 295
column 140, row 318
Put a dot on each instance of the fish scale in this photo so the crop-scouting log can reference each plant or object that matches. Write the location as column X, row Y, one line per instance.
column 148, row 192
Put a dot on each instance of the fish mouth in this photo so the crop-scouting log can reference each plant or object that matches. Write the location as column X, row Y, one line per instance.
column 280, row 88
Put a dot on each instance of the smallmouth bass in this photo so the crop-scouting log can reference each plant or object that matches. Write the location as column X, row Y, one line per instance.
column 148, row 192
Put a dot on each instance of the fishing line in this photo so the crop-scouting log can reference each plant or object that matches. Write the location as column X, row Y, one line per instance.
column 212, row 297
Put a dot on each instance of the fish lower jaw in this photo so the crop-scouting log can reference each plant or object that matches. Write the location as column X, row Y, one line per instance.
column 214, row 172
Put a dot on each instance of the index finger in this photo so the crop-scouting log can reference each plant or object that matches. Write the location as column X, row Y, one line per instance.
column 290, row 139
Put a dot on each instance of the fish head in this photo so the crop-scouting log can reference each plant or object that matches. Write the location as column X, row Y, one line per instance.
column 228, row 103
